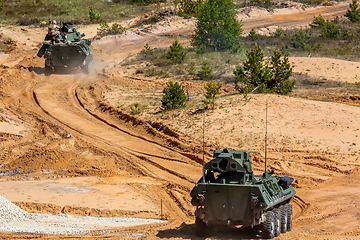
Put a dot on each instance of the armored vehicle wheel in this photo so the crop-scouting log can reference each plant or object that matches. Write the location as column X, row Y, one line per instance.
column 268, row 226
column 277, row 215
column 200, row 227
column 89, row 63
column 289, row 210
column 283, row 219
column 48, row 70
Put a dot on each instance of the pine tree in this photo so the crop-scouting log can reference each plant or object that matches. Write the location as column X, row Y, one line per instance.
column 217, row 26
column 205, row 72
column 176, row 53
column 211, row 91
column 174, row 96
column 353, row 14
column 267, row 78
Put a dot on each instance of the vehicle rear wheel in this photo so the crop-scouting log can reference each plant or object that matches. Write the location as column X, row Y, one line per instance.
column 283, row 219
column 268, row 226
column 89, row 64
column 48, row 70
column 200, row 227
column 277, row 215
column 289, row 211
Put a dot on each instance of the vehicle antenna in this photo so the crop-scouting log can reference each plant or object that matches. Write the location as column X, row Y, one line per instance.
column 60, row 15
column 266, row 136
column 203, row 145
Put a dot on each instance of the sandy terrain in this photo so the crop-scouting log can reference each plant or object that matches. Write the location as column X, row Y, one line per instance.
column 67, row 148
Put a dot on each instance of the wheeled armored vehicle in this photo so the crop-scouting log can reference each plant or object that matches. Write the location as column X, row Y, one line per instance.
column 68, row 49
column 229, row 193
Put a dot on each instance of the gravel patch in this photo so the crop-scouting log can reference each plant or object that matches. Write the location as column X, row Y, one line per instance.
column 14, row 219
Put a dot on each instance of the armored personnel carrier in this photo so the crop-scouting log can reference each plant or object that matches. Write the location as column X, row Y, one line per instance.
column 68, row 49
column 229, row 193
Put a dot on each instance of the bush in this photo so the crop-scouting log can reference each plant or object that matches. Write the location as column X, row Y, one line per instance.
column 205, row 72
column 176, row 53
column 147, row 50
column 281, row 71
column 279, row 32
column 188, row 7
column 93, row 15
column 252, row 35
column 151, row 72
column 254, row 73
column 174, row 96
column 329, row 30
column 217, row 26
column 353, row 14
column 135, row 110
column 211, row 91
column 105, row 29
column 318, row 21
column 301, row 39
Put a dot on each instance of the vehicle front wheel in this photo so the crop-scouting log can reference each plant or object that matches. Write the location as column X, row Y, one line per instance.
column 89, row 64
column 200, row 227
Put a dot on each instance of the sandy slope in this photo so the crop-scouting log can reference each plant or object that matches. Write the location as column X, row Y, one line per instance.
column 76, row 151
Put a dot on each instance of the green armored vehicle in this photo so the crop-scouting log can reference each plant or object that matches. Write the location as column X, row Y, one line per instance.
column 67, row 49
column 230, row 193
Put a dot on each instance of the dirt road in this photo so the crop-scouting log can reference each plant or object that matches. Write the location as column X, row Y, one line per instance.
column 67, row 148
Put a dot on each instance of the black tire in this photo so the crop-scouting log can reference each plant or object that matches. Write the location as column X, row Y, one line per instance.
column 268, row 226
column 277, row 215
column 89, row 64
column 48, row 70
column 200, row 227
column 283, row 219
column 289, row 211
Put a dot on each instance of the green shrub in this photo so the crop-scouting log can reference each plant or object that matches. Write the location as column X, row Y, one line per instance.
column 93, row 15
column 174, row 96
column 188, row 7
column 176, row 53
column 353, row 14
column 105, row 29
column 279, row 32
column 206, row 71
column 281, row 72
column 254, row 73
column 191, row 70
column 252, row 35
column 329, row 30
column 301, row 39
column 318, row 21
column 201, row 49
column 211, row 91
column 147, row 50
column 134, row 110
column 217, row 26
column 151, row 72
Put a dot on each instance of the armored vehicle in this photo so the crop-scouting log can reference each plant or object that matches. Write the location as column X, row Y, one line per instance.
column 229, row 193
column 68, row 49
